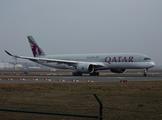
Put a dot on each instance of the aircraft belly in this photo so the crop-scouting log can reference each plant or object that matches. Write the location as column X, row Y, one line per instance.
column 129, row 65
column 140, row 65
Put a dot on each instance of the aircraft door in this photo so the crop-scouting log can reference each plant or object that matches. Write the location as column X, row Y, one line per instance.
column 136, row 59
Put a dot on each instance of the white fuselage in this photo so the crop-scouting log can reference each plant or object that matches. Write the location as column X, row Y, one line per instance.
column 110, row 61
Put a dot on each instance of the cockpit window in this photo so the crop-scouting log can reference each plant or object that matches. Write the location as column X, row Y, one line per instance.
column 147, row 59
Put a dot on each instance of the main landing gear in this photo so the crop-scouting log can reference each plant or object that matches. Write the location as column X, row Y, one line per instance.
column 80, row 74
column 94, row 74
column 77, row 74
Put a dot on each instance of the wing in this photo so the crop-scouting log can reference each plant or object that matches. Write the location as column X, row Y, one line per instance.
column 68, row 62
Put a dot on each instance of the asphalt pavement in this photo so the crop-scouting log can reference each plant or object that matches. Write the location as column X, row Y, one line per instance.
column 66, row 78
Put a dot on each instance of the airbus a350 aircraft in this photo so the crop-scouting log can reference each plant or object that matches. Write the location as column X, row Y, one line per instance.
column 89, row 63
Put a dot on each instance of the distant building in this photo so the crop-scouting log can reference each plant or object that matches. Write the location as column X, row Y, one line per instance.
column 19, row 66
column 5, row 65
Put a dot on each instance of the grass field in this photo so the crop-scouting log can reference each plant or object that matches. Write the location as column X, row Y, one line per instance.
column 139, row 96
column 145, row 89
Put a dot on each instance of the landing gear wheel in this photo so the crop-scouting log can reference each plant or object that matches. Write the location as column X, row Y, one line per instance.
column 77, row 74
column 144, row 74
column 80, row 74
column 74, row 74
column 97, row 73
column 94, row 74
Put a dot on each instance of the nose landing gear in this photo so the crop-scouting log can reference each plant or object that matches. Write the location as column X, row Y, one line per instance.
column 144, row 72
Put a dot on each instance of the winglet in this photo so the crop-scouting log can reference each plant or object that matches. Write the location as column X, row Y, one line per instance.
column 8, row 53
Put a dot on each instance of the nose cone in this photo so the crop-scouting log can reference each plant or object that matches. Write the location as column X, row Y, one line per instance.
column 152, row 64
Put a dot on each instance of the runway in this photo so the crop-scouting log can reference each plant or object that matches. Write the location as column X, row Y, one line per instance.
column 37, row 79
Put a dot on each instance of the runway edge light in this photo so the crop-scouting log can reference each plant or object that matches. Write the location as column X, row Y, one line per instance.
column 123, row 81
column 89, row 80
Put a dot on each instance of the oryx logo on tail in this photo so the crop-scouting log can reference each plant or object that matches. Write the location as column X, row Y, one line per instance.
column 35, row 48
column 37, row 51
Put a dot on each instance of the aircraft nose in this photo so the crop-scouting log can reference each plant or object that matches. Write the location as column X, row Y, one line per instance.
column 152, row 64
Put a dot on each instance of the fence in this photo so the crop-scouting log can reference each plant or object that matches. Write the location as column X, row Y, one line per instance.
column 36, row 111
column 74, row 106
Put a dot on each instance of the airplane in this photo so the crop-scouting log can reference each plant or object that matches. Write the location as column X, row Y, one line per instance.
column 89, row 63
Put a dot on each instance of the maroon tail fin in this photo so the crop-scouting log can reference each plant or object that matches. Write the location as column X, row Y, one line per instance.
column 37, row 51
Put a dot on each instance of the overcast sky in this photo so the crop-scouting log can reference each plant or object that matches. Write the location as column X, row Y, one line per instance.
column 82, row 26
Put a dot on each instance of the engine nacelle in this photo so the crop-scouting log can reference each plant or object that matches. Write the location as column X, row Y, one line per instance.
column 85, row 68
column 118, row 70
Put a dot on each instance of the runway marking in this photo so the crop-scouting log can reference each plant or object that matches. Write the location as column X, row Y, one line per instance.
column 102, row 75
column 120, row 77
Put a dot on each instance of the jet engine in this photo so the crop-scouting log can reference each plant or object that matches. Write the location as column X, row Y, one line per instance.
column 85, row 68
column 118, row 70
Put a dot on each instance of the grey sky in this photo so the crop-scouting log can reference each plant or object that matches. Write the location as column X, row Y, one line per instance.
column 82, row 26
